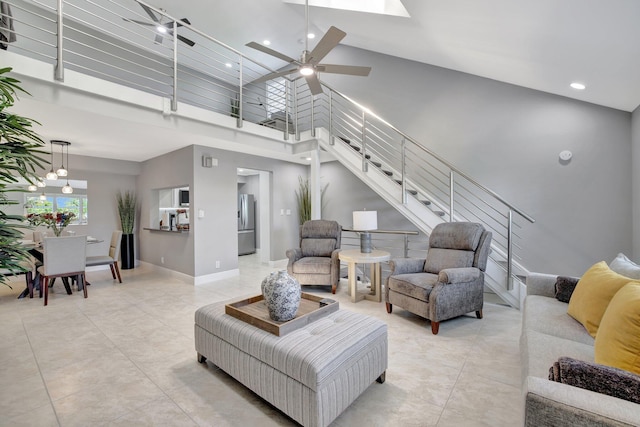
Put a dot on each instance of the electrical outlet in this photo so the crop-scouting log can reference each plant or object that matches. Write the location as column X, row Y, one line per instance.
column 217, row 264
column 161, row 260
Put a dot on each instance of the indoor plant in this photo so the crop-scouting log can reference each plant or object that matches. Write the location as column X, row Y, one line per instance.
column 127, row 210
column 19, row 156
column 56, row 221
column 303, row 199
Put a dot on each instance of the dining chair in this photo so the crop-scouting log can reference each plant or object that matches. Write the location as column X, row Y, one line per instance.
column 63, row 257
column 112, row 258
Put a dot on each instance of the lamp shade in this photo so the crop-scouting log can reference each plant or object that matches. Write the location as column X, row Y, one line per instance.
column 365, row 220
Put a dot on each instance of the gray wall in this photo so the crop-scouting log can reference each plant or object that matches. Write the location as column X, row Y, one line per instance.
column 635, row 150
column 213, row 190
column 171, row 170
column 508, row 138
column 105, row 178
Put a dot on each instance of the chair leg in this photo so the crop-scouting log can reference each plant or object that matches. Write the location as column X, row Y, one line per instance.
column 435, row 327
column 45, row 285
column 333, row 288
column 389, row 307
column 84, row 283
column 479, row 314
column 29, row 277
column 113, row 273
column 115, row 267
column 67, row 287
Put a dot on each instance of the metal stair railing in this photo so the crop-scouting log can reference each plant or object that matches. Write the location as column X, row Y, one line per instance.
column 95, row 38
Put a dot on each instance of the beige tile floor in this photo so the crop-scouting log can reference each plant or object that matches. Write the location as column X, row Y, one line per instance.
column 125, row 357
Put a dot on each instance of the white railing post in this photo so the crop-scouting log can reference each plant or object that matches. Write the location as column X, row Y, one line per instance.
column 287, row 110
column 313, row 116
column 174, row 98
column 404, row 172
column 365, row 165
column 331, row 141
column 451, row 192
column 59, row 70
column 509, row 251
column 295, row 110
column 239, row 119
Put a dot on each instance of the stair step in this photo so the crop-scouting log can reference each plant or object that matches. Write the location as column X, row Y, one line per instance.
column 425, row 202
column 388, row 173
column 354, row 147
column 376, row 164
column 439, row 213
column 415, row 193
column 345, row 140
column 367, row 156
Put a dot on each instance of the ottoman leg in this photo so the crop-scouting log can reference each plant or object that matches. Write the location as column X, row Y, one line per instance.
column 382, row 377
column 201, row 358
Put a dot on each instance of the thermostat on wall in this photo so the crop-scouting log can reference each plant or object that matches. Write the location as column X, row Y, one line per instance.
column 565, row 155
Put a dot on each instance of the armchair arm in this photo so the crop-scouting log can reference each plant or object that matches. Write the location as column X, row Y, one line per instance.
column 406, row 265
column 293, row 255
column 458, row 275
column 541, row 284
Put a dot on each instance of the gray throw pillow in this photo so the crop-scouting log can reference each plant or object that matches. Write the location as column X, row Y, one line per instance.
column 623, row 265
column 599, row 378
column 565, row 287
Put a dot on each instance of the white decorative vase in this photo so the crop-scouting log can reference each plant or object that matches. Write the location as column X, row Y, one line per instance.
column 282, row 295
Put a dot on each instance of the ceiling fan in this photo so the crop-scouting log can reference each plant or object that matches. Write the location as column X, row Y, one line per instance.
column 309, row 63
column 162, row 28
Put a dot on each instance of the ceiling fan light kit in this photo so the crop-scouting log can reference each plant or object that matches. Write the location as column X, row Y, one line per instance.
column 162, row 29
column 309, row 64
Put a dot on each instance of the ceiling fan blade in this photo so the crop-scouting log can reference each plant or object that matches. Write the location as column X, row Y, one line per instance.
column 185, row 21
column 186, row 40
column 149, row 12
column 139, row 22
column 272, row 76
column 264, row 49
column 324, row 46
column 352, row 70
column 314, row 84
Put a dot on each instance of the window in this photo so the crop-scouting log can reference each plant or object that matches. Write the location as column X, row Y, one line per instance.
column 276, row 100
column 78, row 204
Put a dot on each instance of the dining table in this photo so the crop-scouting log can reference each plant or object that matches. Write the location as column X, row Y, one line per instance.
column 36, row 250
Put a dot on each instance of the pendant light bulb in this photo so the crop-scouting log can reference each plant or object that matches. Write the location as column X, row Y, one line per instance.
column 32, row 188
column 43, row 197
column 67, row 189
column 51, row 174
column 41, row 183
column 62, row 171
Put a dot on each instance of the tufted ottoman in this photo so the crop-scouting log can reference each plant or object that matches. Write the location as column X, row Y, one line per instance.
column 311, row 374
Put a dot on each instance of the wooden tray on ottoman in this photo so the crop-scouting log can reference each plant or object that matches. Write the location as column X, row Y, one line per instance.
column 254, row 311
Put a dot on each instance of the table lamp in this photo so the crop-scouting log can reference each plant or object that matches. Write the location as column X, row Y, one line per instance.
column 364, row 221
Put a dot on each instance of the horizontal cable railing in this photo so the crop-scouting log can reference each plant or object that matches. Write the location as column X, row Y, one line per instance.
column 119, row 41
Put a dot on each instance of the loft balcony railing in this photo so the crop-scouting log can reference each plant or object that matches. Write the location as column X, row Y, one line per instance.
column 98, row 38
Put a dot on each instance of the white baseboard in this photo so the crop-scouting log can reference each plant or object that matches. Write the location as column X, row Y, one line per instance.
column 191, row 280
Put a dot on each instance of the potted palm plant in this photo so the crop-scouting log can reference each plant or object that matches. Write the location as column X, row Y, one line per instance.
column 19, row 156
column 127, row 210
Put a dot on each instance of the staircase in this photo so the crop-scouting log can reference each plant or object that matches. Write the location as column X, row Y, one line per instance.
column 213, row 77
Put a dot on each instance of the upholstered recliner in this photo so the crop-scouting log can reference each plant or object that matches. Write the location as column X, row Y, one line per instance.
column 316, row 261
column 450, row 281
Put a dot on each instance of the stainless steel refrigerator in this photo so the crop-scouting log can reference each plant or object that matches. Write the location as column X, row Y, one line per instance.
column 246, row 224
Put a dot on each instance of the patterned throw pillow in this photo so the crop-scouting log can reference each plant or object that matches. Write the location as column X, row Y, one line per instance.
column 564, row 287
column 599, row 378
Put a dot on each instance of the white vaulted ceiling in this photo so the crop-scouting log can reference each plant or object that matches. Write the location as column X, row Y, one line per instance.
column 539, row 44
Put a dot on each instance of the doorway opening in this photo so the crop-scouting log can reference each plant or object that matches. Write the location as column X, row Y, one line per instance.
column 254, row 213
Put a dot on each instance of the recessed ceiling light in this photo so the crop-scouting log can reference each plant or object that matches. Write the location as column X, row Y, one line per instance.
column 266, row 42
column 311, row 36
column 161, row 29
column 229, row 64
column 578, row 86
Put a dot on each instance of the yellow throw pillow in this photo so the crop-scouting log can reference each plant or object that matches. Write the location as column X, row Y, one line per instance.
column 592, row 295
column 618, row 339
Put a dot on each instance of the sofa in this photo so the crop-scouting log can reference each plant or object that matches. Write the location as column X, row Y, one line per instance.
column 549, row 333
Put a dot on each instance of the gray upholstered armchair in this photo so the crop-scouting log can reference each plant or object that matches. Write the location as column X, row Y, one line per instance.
column 450, row 281
column 316, row 261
